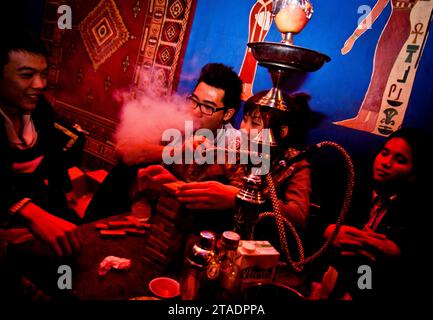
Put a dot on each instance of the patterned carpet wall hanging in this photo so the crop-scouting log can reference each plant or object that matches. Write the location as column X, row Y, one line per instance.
column 109, row 46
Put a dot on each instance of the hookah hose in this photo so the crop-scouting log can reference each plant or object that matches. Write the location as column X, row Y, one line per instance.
column 282, row 221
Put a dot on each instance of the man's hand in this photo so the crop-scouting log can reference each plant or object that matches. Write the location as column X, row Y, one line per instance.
column 57, row 233
column 207, row 195
column 153, row 177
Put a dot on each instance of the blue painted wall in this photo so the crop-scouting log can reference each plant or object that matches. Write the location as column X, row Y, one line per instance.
column 219, row 34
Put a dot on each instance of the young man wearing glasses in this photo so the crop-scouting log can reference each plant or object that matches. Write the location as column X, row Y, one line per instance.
column 209, row 188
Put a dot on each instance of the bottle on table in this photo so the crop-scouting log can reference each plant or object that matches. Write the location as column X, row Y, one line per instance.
column 230, row 275
column 221, row 278
column 195, row 263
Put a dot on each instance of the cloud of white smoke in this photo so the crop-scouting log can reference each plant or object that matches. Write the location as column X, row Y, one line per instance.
column 144, row 119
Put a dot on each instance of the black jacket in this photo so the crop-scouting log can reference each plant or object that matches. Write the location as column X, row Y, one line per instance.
column 14, row 187
column 406, row 223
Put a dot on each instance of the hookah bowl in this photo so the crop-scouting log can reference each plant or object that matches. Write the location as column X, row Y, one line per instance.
column 291, row 17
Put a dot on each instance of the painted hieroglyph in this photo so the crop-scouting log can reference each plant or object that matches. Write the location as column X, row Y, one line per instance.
column 396, row 61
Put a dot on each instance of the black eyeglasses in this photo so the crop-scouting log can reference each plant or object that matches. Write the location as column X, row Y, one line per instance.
column 204, row 108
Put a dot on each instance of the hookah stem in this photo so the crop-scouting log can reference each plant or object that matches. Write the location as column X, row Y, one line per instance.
column 280, row 220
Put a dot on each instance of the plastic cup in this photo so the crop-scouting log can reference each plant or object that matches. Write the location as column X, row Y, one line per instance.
column 165, row 288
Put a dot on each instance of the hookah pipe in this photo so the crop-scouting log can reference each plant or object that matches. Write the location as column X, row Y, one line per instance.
column 281, row 221
column 281, row 59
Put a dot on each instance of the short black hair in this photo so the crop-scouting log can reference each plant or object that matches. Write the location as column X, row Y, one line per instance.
column 19, row 40
column 223, row 77
column 299, row 117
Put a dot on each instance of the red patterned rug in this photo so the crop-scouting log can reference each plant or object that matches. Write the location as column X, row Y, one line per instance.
column 109, row 46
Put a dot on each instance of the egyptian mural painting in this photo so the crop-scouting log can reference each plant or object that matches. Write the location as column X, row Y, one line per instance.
column 260, row 20
column 113, row 45
column 396, row 60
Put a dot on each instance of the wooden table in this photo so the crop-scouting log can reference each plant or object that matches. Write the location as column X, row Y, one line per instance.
column 40, row 266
